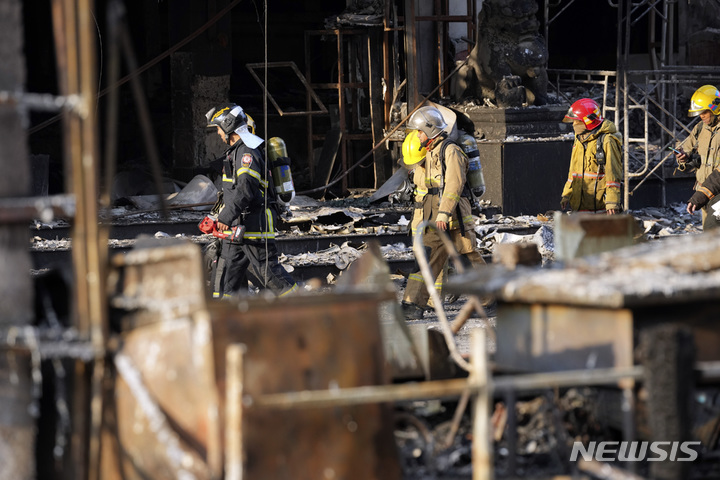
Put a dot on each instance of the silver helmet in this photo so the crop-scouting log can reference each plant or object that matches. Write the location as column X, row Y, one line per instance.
column 428, row 120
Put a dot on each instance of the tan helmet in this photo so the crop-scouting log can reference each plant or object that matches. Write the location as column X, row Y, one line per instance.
column 428, row 120
column 706, row 97
column 412, row 150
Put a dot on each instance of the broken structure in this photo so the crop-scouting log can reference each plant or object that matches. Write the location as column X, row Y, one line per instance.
column 93, row 360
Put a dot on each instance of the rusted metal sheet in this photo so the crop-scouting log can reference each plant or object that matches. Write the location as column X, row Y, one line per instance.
column 548, row 338
column 158, row 281
column 170, row 388
column 309, row 343
column 152, row 443
column 165, row 404
column 175, row 363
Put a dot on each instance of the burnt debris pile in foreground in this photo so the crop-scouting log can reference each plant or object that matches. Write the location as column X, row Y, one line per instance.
column 569, row 365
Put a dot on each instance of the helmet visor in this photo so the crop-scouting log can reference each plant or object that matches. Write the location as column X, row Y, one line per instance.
column 209, row 117
column 570, row 116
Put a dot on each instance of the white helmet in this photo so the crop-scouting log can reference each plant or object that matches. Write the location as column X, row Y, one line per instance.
column 428, row 120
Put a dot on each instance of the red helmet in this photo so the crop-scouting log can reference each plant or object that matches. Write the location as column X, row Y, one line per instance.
column 586, row 110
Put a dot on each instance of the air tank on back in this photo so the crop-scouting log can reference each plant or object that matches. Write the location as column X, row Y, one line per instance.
column 475, row 178
column 280, row 164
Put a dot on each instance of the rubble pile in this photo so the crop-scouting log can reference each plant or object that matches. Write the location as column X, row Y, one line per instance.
column 309, row 218
column 658, row 222
column 547, row 425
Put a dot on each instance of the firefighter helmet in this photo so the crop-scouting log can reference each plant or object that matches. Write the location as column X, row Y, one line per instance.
column 706, row 97
column 585, row 110
column 232, row 119
column 412, row 150
column 228, row 117
column 429, row 120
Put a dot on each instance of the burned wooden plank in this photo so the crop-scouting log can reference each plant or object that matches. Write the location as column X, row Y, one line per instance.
column 668, row 355
column 166, row 399
column 579, row 235
column 510, row 255
column 545, row 338
column 681, row 269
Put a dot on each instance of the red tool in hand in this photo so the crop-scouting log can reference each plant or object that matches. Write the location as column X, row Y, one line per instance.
column 209, row 225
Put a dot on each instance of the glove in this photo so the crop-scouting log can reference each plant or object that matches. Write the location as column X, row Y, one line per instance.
column 698, row 201
column 564, row 203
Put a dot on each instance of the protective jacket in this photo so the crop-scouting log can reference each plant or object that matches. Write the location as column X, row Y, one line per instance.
column 444, row 200
column 418, row 178
column 593, row 187
column 246, row 182
column 704, row 140
column 707, row 190
column 441, row 195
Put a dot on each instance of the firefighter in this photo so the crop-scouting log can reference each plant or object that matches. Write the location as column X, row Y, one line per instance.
column 700, row 151
column 249, row 202
column 413, row 155
column 595, row 174
column 443, row 198
column 705, row 193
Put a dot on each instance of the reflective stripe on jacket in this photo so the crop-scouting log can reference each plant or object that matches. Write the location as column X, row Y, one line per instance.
column 704, row 140
column 586, row 188
column 245, row 183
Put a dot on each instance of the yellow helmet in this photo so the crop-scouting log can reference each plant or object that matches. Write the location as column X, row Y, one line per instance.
column 412, row 150
column 250, row 123
column 706, row 97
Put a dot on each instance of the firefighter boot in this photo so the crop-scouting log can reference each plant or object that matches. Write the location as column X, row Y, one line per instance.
column 412, row 311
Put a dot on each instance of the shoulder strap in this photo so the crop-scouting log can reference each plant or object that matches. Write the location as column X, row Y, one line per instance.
column 697, row 131
column 466, row 191
column 271, row 190
column 229, row 163
column 443, row 147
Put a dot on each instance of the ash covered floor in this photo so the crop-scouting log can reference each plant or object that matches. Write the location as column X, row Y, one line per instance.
column 546, row 422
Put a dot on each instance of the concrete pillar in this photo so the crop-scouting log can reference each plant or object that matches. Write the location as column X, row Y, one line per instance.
column 17, row 435
column 200, row 79
column 698, row 35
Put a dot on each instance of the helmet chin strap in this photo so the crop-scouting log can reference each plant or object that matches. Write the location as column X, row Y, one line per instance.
column 432, row 141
